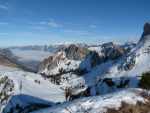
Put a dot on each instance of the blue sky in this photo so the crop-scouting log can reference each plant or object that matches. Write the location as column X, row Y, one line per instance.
column 26, row 22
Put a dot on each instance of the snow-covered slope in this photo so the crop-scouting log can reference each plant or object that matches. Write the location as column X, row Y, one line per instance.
column 29, row 88
column 97, row 104
column 122, row 72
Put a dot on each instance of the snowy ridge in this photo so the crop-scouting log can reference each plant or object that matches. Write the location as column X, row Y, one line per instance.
column 98, row 104
column 60, row 62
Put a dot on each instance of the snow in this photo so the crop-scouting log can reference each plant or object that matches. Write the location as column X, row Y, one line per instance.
column 44, row 90
column 97, row 104
column 98, row 49
column 62, row 63
column 141, row 64
column 51, row 92
column 110, row 69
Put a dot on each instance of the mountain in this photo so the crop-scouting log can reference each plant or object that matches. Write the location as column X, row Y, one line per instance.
column 29, row 57
column 67, row 59
column 65, row 66
column 109, row 69
column 102, row 78
column 6, row 58
column 146, row 32
column 106, row 68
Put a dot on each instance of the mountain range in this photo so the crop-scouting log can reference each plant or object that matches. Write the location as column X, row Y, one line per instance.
column 76, row 78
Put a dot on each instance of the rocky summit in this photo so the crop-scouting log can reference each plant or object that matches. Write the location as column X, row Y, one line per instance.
column 75, row 52
column 112, row 51
column 146, row 29
column 146, row 32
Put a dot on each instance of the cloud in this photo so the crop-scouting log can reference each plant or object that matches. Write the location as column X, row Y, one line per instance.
column 38, row 27
column 54, row 24
column 3, row 7
column 78, row 32
column 92, row 26
column 45, row 24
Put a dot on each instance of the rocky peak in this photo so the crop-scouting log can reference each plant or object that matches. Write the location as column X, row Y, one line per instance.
column 62, row 60
column 75, row 52
column 146, row 32
column 52, row 61
column 92, row 60
column 146, row 29
column 112, row 51
column 108, row 45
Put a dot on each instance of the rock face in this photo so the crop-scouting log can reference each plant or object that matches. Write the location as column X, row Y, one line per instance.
column 76, row 53
column 92, row 59
column 6, row 58
column 6, row 52
column 6, row 62
column 128, row 63
column 145, row 33
column 6, row 90
column 112, row 51
column 52, row 61
column 109, row 51
column 146, row 29
column 65, row 60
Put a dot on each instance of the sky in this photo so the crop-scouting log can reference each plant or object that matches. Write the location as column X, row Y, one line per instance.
column 38, row 22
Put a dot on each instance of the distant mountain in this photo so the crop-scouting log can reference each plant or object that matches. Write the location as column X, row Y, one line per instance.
column 47, row 48
column 6, row 58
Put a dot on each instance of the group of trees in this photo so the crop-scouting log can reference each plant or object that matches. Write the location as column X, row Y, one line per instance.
column 145, row 81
